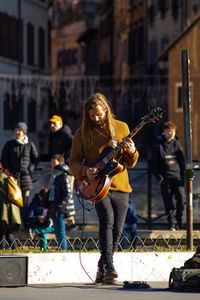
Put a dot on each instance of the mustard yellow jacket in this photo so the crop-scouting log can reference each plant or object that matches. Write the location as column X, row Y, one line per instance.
column 84, row 152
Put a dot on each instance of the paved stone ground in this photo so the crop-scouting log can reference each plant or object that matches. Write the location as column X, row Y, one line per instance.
column 157, row 291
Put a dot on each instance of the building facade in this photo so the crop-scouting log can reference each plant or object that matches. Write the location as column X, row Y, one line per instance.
column 188, row 40
column 24, row 55
column 24, row 38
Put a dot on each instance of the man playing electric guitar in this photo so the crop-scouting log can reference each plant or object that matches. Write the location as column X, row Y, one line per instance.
column 100, row 130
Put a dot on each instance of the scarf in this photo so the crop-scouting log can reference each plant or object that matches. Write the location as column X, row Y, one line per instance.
column 22, row 141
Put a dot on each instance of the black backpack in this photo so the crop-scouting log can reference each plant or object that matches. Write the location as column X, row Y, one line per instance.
column 188, row 276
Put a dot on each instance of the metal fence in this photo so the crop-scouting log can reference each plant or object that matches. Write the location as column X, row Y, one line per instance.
column 158, row 242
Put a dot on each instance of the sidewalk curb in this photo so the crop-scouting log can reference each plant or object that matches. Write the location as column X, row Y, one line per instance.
column 131, row 266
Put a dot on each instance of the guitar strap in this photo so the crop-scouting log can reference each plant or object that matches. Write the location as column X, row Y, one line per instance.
column 114, row 141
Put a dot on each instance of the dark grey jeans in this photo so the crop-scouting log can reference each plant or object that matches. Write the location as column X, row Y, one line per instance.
column 173, row 188
column 111, row 212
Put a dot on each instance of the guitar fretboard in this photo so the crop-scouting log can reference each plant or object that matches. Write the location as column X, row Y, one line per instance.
column 146, row 119
column 110, row 156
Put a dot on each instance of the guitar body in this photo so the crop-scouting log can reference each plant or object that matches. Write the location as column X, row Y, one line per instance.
column 95, row 190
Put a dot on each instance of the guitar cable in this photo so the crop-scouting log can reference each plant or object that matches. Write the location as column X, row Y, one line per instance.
column 81, row 201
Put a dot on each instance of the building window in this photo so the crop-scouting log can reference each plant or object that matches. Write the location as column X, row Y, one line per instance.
column 30, row 44
column 32, row 114
column 60, row 58
column 179, row 96
column 163, row 43
column 13, row 106
column 124, row 50
column 154, row 4
column 153, row 51
column 136, row 46
column 41, row 48
column 67, row 57
column 11, row 37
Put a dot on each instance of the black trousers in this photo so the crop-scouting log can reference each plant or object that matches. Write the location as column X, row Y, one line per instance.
column 170, row 189
column 111, row 212
column 26, row 202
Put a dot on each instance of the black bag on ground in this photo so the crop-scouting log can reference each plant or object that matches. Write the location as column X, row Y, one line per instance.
column 188, row 276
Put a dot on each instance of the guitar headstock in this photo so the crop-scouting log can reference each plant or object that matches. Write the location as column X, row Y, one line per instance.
column 155, row 114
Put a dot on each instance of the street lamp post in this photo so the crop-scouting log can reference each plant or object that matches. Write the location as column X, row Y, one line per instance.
column 188, row 153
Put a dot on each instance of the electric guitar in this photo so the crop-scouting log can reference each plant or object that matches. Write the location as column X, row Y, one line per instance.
column 108, row 164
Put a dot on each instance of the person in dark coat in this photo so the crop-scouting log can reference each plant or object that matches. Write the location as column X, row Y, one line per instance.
column 19, row 157
column 168, row 166
column 60, row 198
column 37, row 217
column 60, row 138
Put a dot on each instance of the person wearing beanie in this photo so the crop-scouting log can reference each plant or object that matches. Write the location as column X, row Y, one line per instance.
column 19, row 157
column 21, row 126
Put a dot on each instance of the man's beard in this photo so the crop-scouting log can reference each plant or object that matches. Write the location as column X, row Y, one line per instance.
column 101, row 123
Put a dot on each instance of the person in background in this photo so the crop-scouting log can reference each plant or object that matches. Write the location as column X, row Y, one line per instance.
column 100, row 130
column 10, row 219
column 37, row 218
column 61, row 141
column 19, row 158
column 130, row 228
column 60, row 138
column 60, row 198
column 168, row 166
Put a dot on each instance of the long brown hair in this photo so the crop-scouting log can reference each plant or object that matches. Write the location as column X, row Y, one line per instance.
column 87, row 124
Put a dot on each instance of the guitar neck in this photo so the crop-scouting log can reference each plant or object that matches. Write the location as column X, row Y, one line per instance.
column 119, row 147
column 155, row 114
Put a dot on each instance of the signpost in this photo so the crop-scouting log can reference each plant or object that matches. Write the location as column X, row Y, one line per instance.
column 188, row 154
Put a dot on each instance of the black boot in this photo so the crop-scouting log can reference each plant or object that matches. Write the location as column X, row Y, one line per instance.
column 110, row 273
column 179, row 222
column 100, row 272
column 171, row 220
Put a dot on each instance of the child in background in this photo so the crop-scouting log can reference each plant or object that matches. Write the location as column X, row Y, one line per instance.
column 37, row 219
column 60, row 198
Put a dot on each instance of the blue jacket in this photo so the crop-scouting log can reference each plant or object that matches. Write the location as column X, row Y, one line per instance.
column 131, row 216
column 34, row 211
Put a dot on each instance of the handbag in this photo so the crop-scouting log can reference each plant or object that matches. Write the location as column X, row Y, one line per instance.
column 14, row 191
